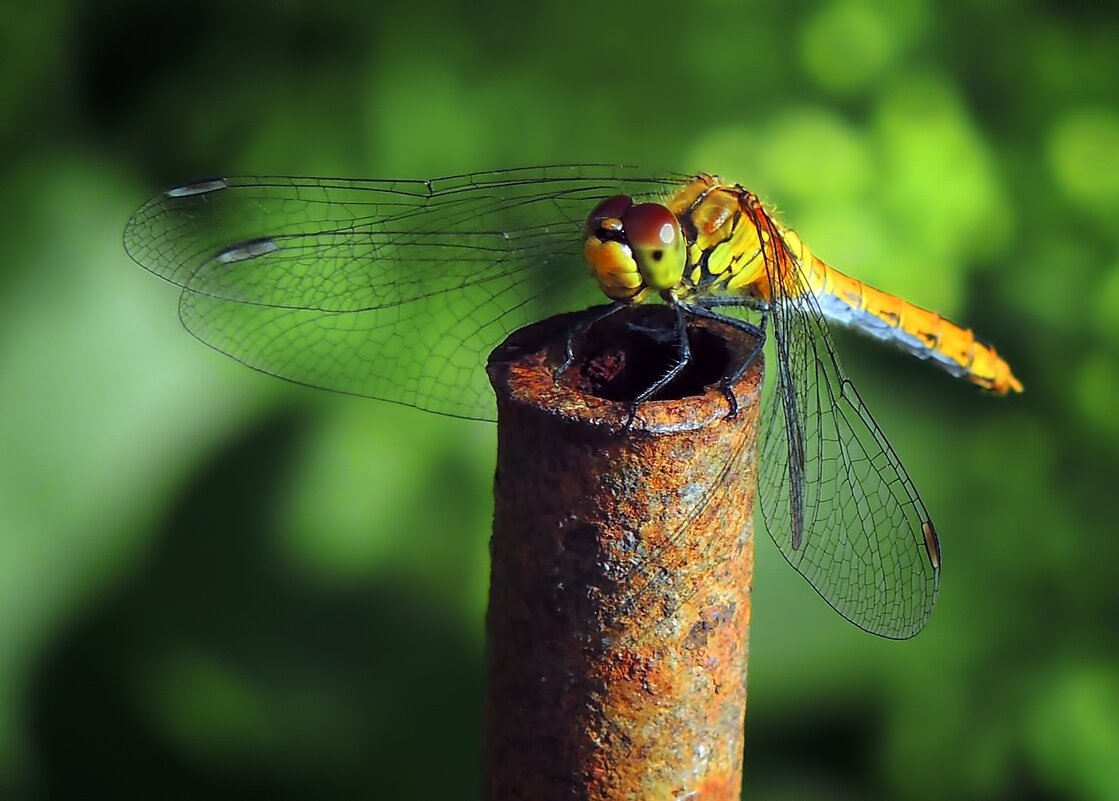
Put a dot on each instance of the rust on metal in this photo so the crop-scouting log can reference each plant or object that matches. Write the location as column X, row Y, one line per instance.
column 622, row 564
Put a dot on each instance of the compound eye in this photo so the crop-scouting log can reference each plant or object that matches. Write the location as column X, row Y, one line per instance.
column 654, row 235
column 607, row 214
column 651, row 226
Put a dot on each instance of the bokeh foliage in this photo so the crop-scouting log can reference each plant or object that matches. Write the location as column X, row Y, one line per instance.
column 213, row 584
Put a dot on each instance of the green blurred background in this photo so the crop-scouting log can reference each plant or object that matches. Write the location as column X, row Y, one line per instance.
column 214, row 584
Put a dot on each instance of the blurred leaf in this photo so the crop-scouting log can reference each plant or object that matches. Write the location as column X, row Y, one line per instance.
column 1074, row 730
column 1082, row 154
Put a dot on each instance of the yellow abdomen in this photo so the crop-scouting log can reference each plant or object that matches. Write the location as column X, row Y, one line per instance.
column 919, row 331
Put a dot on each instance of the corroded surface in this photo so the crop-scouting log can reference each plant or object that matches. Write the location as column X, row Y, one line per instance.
column 622, row 565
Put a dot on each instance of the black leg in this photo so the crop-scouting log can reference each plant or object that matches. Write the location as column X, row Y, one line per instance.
column 758, row 332
column 578, row 331
column 670, row 376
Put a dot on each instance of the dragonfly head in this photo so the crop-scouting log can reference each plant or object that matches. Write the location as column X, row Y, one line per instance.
column 634, row 248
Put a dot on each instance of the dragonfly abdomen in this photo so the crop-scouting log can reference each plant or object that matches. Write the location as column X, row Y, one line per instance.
column 918, row 331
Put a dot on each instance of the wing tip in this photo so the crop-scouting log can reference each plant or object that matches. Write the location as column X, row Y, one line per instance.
column 202, row 186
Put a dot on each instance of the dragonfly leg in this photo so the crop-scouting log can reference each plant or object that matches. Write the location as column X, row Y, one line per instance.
column 668, row 377
column 579, row 330
column 756, row 331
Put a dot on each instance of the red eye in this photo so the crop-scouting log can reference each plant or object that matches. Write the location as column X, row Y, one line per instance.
column 611, row 208
column 650, row 225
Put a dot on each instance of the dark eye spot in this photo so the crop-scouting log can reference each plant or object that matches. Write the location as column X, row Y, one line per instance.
column 658, row 255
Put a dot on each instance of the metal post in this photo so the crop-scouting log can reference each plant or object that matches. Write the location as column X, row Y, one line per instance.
column 622, row 565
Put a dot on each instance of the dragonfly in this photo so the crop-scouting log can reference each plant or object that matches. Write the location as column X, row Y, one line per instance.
column 397, row 290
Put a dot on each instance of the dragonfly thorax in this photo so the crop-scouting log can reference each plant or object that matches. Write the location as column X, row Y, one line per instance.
column 634, row 249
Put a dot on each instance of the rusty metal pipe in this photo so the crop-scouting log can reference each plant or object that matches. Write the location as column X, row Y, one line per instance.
column 622, row 565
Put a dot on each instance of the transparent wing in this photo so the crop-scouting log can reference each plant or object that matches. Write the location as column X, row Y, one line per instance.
column 394, row 290
column 833, row 494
